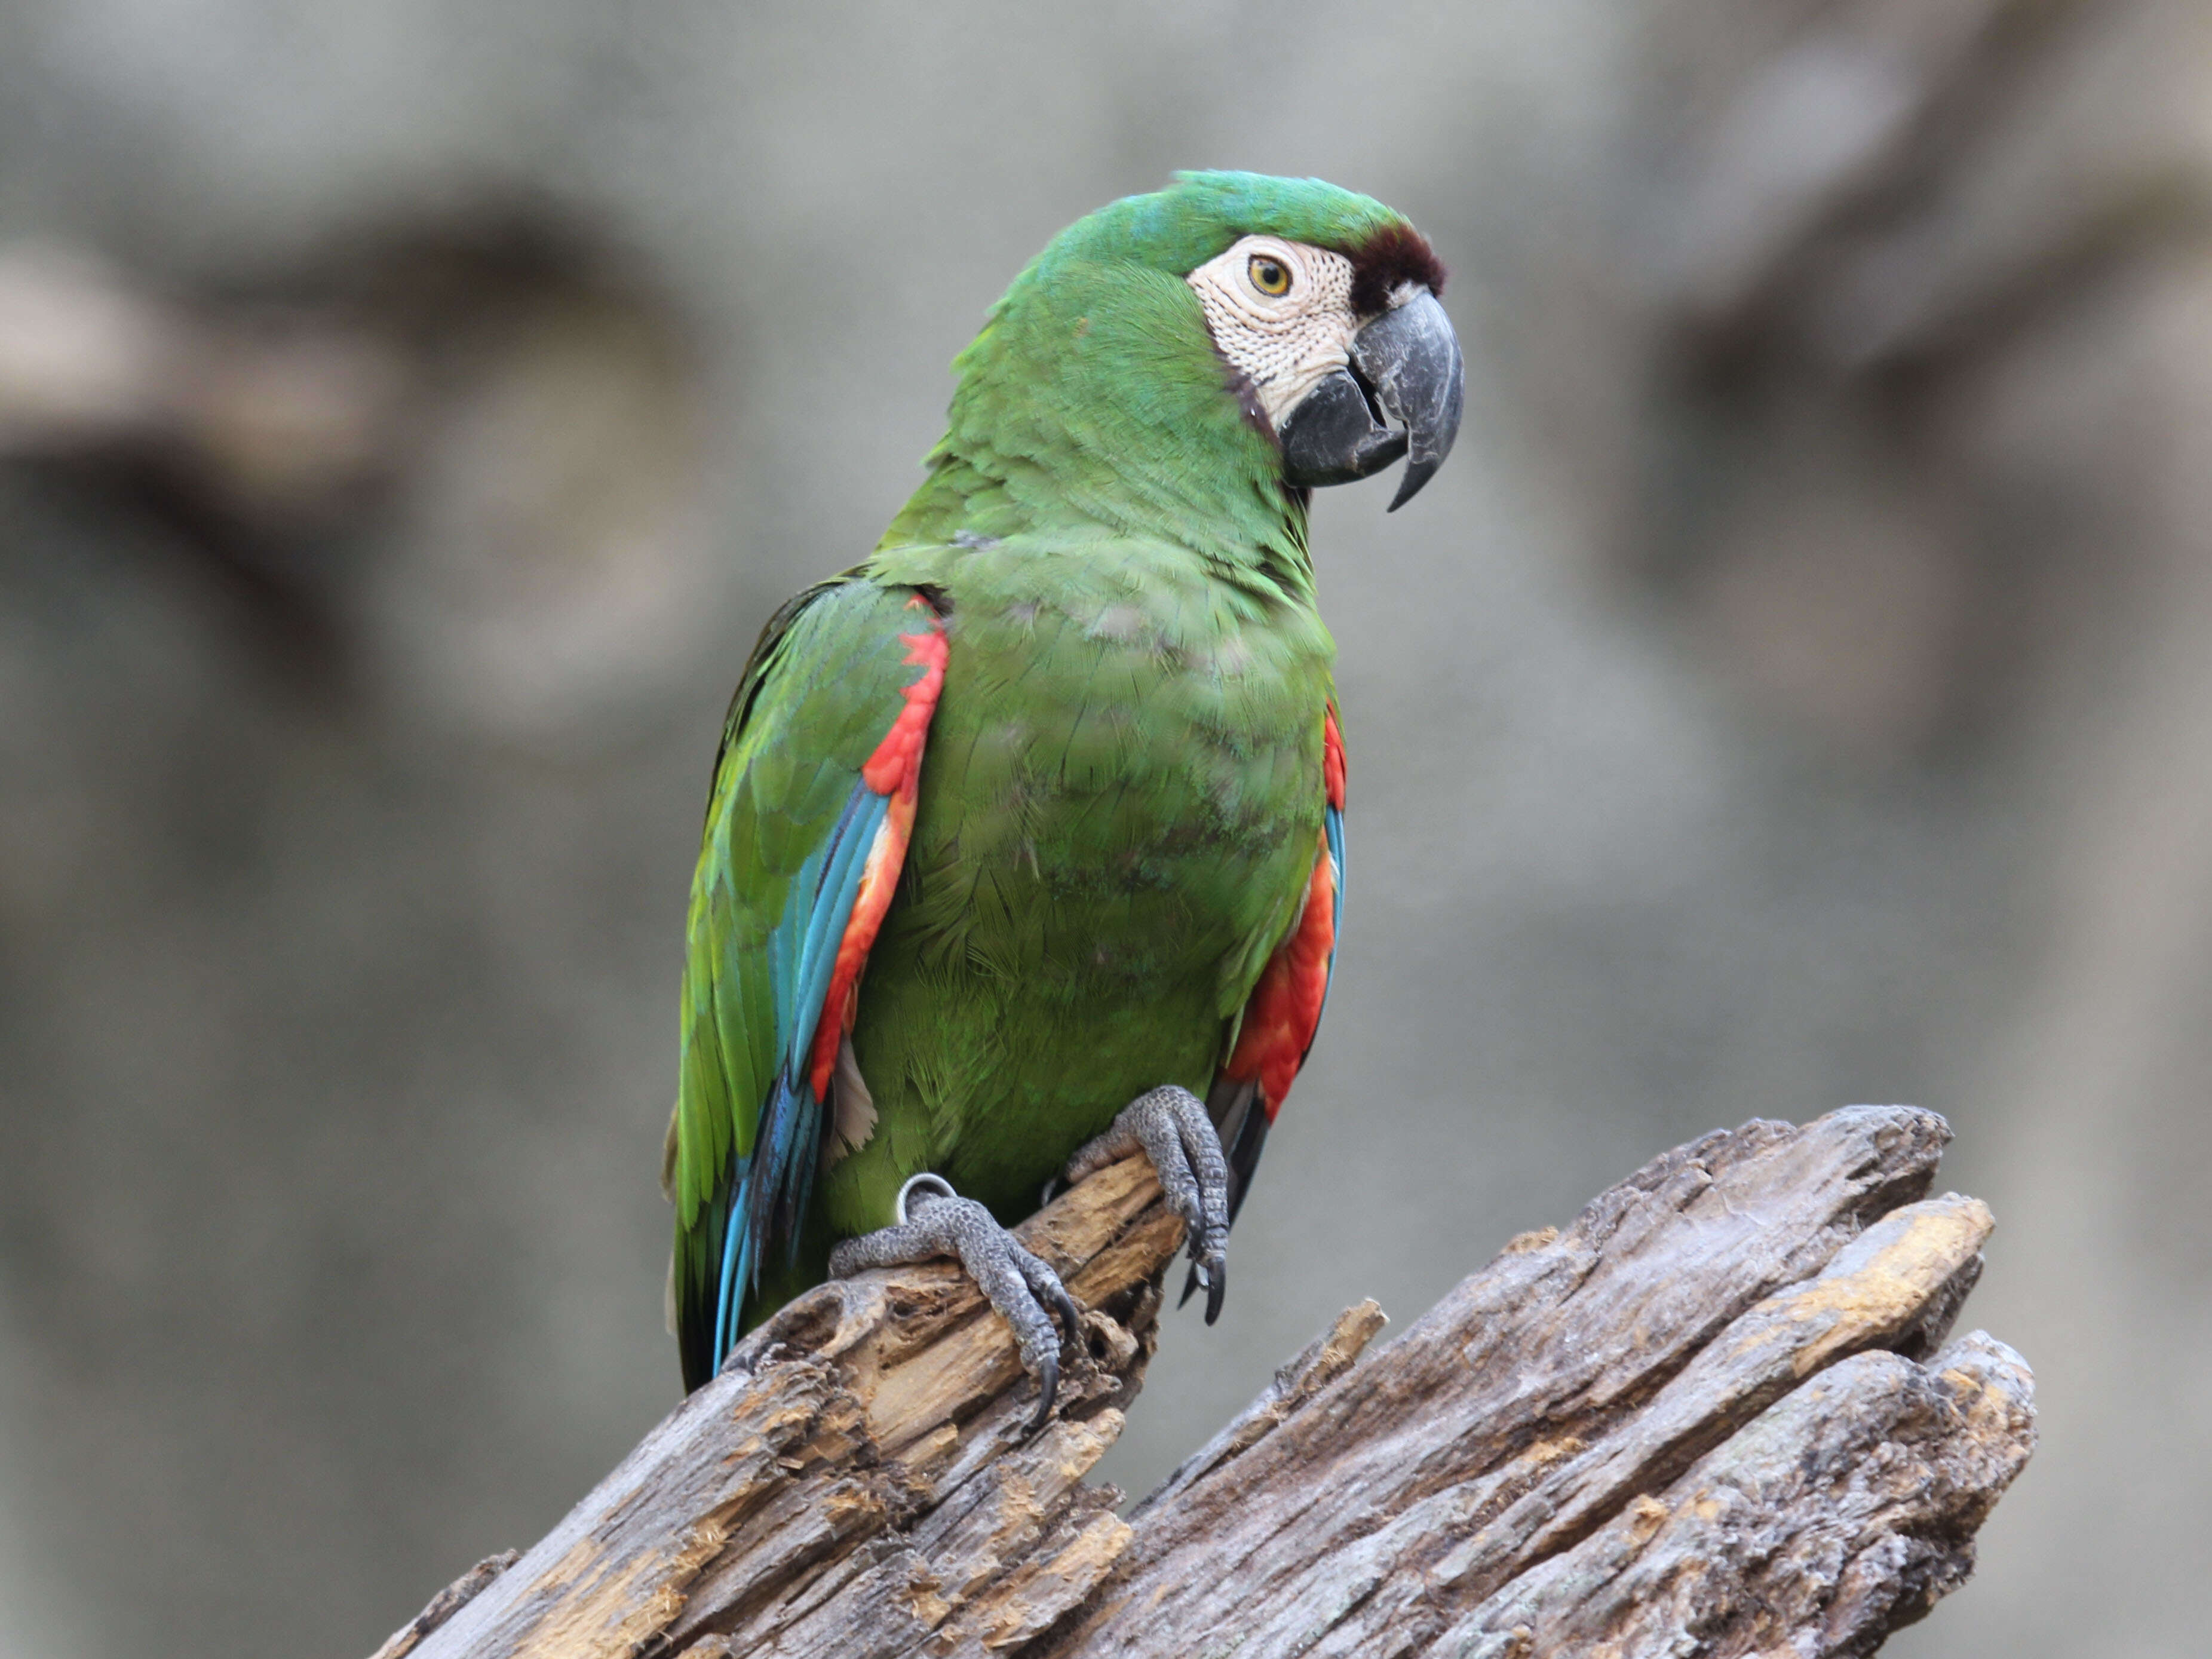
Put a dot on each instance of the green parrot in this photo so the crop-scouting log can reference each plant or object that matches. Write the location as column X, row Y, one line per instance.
column 1025, row 847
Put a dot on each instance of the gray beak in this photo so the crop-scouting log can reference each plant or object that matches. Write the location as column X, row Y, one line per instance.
column 1402, row 395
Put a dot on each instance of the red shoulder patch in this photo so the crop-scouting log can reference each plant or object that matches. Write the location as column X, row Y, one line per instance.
column 895, row 767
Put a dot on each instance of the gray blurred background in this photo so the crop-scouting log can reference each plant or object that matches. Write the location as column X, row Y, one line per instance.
column 1797, row 691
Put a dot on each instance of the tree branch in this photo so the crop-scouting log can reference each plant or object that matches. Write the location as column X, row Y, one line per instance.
column 1717, row 1412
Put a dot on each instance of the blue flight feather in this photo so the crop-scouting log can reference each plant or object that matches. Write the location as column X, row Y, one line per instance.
column 1332, row 826
column 849, row 845
column 772, row 1184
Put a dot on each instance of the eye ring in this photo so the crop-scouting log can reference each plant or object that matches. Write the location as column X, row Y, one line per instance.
column 1268, row 275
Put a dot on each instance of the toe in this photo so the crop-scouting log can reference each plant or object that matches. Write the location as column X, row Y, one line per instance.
column 1018, row 1285
column 1025, row 1292
column 1172, row 1126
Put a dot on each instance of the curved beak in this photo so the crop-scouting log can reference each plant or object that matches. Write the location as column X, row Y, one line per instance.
column 1402, row 395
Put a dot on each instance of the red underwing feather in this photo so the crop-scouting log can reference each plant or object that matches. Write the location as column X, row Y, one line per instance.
column 1331, row 759
column 1284, row 1008
column 895, row 769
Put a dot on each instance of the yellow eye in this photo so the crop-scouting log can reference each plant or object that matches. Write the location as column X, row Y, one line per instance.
column 1270, row 276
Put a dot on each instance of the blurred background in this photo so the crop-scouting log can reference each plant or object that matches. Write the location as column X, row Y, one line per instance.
column 1797, row 691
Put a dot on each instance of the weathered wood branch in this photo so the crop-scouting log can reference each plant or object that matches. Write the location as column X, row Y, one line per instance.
column 1718, row 1413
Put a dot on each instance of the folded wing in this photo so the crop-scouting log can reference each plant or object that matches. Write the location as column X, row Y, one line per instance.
column 806, row 831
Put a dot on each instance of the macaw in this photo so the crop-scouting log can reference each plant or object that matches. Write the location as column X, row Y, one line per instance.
column 1025, row 847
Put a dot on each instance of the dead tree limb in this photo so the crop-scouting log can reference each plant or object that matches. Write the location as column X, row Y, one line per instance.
column 1717, row 1414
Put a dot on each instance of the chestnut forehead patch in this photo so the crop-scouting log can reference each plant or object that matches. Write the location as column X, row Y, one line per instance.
column 1386, row 262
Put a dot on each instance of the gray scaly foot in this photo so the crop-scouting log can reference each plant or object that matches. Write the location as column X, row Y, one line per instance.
column 934, row 1221
column 1170, row 1125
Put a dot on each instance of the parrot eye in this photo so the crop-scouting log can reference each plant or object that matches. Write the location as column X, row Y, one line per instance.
column 1270, row 276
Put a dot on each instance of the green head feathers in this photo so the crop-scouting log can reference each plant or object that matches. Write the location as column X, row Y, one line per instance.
column 1095, row 394
column 1174, row 231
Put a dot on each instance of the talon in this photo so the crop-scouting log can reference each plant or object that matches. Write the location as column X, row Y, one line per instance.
column 1063, row 1308
column 1171, row 1127
column 1063, row 1305
column 1047, row 1391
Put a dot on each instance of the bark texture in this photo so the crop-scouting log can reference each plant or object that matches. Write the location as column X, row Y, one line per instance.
column 1720, row 1413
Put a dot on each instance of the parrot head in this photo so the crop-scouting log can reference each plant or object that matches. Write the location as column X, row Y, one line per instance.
column 1214, row 349
column 1345, row 351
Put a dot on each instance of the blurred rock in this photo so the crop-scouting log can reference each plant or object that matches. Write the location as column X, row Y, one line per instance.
column 456, row 466
column 1935, row 315
column 84, row 361
column 550, row 574
column 1873, row 233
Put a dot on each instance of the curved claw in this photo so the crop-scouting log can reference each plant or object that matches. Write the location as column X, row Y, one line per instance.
column 1045, row 1286
column 1048, row 1378
column 1063, row 1304
column 1171, row 1127
column 1026, row 1292
column 1214, row 1276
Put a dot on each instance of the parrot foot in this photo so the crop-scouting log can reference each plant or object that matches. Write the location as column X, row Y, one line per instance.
column 935, row 1221
column 1171, row 1127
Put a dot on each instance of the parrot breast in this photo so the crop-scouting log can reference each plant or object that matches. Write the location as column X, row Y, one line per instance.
column 1115, row 827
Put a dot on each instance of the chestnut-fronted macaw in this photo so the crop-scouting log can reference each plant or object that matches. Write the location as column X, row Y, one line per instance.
column 1025, row 841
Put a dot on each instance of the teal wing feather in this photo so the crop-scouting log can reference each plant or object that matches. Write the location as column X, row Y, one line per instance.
column 806, row 797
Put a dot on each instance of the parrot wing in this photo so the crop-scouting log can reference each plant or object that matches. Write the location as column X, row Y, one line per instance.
column 1283, row 1011
column 806, row 830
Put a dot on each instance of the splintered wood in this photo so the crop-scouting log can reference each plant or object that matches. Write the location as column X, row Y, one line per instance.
column 1720, row 1413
